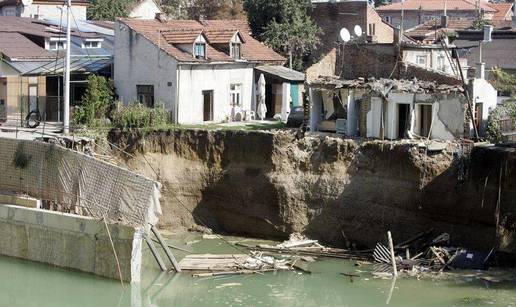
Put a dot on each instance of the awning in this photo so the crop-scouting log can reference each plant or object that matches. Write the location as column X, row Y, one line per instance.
column 282, row 72
column 56, row 67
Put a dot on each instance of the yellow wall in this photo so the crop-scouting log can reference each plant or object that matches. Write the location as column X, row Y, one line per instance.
column 17, row 87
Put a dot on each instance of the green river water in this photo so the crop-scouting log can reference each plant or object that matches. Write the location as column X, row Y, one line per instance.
column 30, row 284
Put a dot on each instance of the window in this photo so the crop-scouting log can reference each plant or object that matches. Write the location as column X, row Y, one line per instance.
column 200, row 50
column 388, row 19
column 56, row 45
column 421, row 60
column 145, row 94
column 441, row 63
column 235, row 94
column 10, row 11
column 235, row 51
column 372, row 29
column 91, row 44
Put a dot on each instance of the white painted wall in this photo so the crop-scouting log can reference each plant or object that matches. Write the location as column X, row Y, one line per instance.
column 485, row 93
column 374, row 117
column 146, row 9
column 7, row 71
column 52, row 11
column 139, row 62
column 432, row 56
column 194, row 79
column 285, row 101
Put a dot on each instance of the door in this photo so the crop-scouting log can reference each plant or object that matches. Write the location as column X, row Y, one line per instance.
column 479, row 115
column 403, row 119
column 207, row 105
column 294, row 94
column 3, row 100
column 426, row 119
column 33, row 98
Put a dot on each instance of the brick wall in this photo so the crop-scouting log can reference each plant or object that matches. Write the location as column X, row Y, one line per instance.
column 380, row 61
column 332, row 17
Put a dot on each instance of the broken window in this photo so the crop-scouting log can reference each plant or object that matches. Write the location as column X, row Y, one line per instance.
column 421, row 60
column 145, row 94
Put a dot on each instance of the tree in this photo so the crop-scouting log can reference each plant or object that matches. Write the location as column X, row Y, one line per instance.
column 210, row 9
column 96, row 102
column 109, row 9
column 286, row 26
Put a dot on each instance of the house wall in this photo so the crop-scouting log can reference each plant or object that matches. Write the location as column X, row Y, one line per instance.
column 10, row 10
column 194, row 79
column 432, row 56
column 52, row 11
column 483, row 92
column 331, row 17
column 140, row 62
column 414, row 18
column 145, row 10
column 17, row 96
column 448, row 115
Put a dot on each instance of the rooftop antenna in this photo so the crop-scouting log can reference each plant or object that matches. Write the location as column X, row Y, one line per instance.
column 66, row 105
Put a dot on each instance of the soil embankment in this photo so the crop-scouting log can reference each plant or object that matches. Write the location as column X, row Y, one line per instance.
column 269, row 185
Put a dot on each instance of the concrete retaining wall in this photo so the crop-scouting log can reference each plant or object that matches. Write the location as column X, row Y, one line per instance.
column 69, row 241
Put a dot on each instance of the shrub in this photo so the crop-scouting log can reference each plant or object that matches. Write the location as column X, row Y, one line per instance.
column 96, row 102
column 136, row 115
column 493, row 130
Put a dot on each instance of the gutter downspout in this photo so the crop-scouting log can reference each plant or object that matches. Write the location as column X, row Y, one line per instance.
column 176, row 102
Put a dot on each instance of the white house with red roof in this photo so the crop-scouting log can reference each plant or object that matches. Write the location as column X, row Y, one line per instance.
column 42, row 8
column 201, row 71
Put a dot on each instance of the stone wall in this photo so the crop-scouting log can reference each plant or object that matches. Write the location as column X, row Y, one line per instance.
column 69, row 241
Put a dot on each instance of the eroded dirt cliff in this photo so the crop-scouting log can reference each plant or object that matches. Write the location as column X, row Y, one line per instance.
column 265, row 184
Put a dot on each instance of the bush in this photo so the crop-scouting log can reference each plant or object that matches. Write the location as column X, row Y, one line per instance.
column 493, row 130
column 96, row 102
column 137, row 115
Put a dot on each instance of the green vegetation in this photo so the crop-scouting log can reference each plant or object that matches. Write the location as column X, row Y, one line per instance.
column 479, row 23
column 504, row 82
column 494, row 129
column 137, row 115
column 21, row 159
column 109, row 10
column 286, row 26
column 97, row 102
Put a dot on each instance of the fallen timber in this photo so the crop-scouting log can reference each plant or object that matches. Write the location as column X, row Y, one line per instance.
column 312, row 251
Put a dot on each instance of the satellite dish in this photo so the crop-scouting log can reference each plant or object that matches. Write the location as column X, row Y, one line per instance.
column 358, row 30
column 26, row 2
column 344, row 35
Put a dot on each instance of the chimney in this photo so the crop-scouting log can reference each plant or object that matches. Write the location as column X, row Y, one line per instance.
column 444, row 21
column 161, row 17
column 481, row 70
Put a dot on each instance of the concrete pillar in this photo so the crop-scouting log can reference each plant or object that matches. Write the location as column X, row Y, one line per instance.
column 481, row 70
column 285, row 101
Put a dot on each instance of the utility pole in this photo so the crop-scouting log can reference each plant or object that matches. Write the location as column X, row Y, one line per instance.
column 66, row 105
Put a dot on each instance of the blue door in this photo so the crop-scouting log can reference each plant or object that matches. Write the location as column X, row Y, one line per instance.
column 294, row 93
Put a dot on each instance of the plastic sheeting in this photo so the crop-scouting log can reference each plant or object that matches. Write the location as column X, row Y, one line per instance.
column 50, row 172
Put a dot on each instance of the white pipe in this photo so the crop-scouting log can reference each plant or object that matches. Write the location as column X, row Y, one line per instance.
column 66, row 106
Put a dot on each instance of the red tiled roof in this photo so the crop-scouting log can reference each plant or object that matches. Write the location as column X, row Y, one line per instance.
column 221, row 36
column 252, row 50
column 428, row 28
column 435, row 5
column 503, row 11
column 181, row 36
column 16, row 46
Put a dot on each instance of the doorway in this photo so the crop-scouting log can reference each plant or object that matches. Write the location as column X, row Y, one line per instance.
column 403, row 120
column 479, row 107
column 33, row 98
column 207, row 105
column 425, row 115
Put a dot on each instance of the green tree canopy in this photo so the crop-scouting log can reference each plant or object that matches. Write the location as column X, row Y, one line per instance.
column 285, row 25
column 109, row 9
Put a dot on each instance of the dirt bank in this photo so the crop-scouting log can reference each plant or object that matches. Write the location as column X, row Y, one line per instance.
column 266, row 184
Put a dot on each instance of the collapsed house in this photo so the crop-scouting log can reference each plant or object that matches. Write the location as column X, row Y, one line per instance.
column 396, row 91
column 392, row 109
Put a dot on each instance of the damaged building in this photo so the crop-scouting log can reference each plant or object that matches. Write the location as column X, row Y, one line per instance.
column 389, row 109
column 396, row 91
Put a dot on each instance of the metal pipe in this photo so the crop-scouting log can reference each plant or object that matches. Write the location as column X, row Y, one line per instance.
column 66, row 111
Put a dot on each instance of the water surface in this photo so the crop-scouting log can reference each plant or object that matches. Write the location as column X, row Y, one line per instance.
column 29, row 284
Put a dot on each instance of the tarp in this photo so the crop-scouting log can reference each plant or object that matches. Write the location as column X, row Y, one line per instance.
column 53, row 173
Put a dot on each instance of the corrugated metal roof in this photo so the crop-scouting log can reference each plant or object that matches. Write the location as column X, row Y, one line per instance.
column 282, row 72
column 77, row 65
